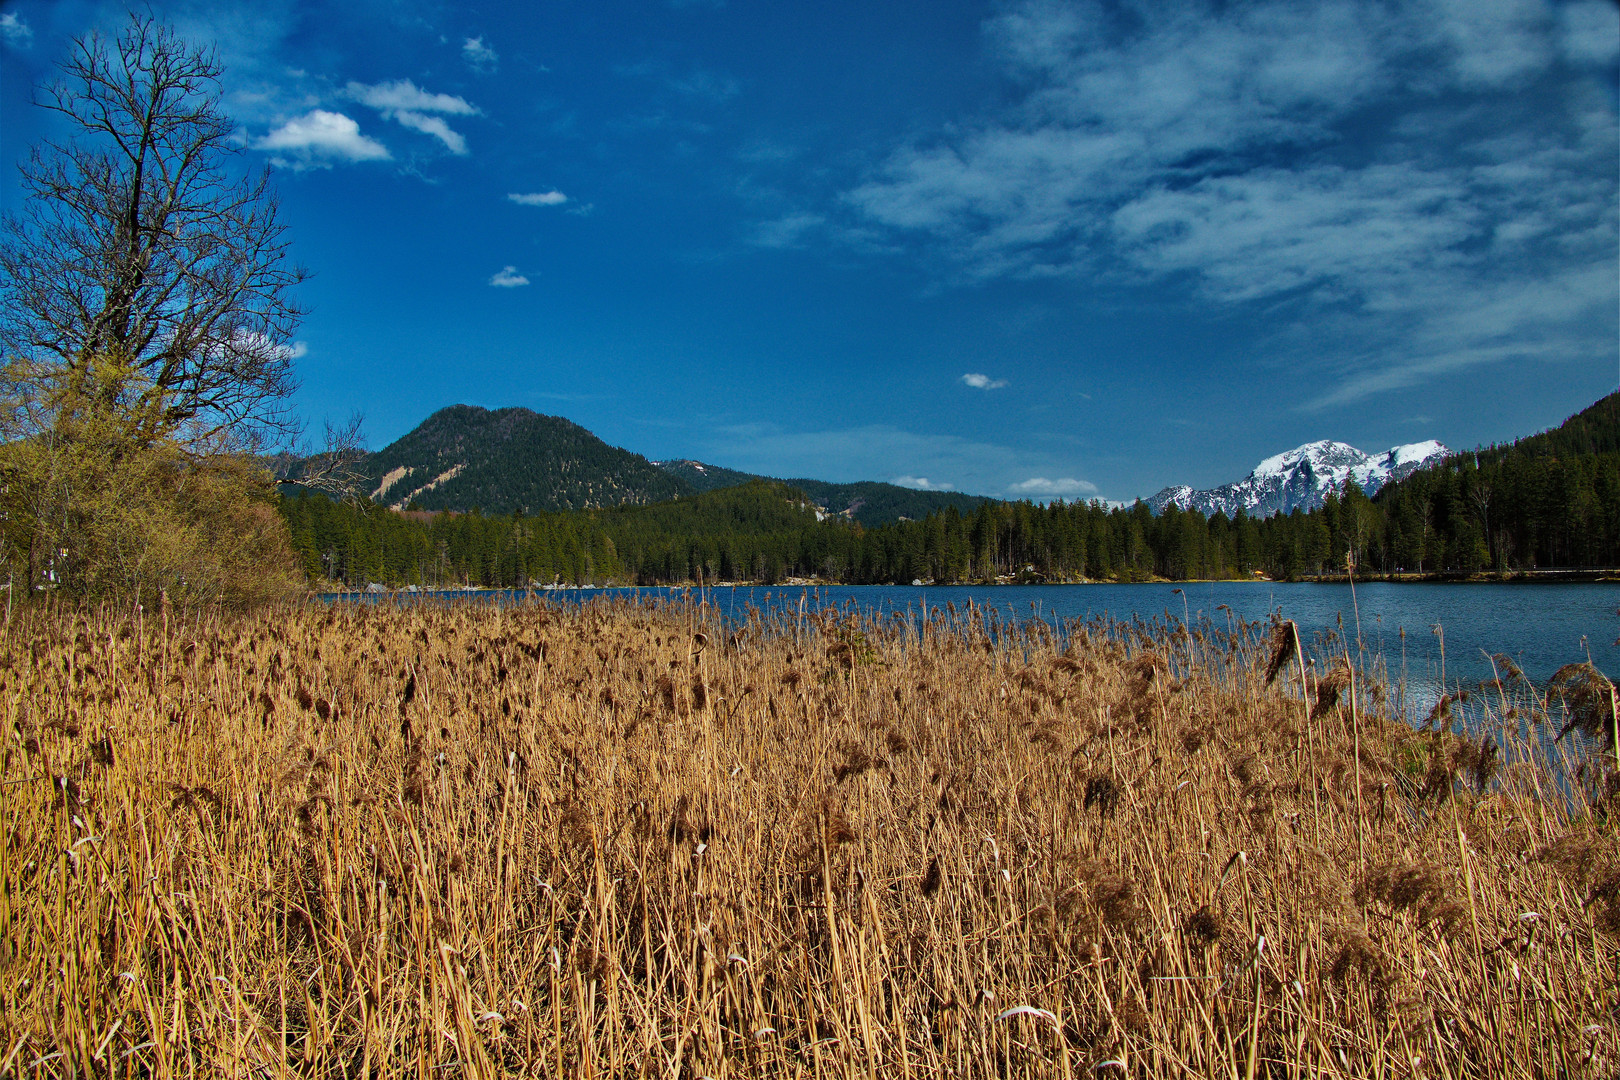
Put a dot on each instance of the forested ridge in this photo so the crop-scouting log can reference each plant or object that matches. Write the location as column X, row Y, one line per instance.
column 870, row 502
column 508, row 460
column 1551, row 500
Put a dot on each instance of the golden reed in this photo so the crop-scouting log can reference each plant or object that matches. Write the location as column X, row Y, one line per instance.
column 627, row 840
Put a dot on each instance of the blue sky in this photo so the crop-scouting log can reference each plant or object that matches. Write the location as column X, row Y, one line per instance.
column 1036, row 249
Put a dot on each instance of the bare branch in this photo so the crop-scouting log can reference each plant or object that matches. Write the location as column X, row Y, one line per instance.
column 138, row 247
column 336, row 469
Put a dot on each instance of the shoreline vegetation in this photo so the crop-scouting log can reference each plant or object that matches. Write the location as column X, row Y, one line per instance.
column 1574, row 576
column 766, row 534
column 621, row 838
column 1430, row 526
column 1546, row 508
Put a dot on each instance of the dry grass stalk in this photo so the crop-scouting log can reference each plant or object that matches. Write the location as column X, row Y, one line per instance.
column 1589, row 700
column 620, row 840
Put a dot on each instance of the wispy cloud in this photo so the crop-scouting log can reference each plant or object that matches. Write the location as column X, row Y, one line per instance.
column 983, row 382
column 681, row 90
column 16, row 33
column 872, row 452
column 404, row 94
column 539, row 198
column 1041, row 487
column 922, row 483
column 787, row 231
column 762, row 151
column 1374, row 165
column 707, row 85
column 1502, row 322
column 403, row 102
column 1591, row 32
column 435, row 126
column 508, row 278
column 480, row 57
column 318, row 139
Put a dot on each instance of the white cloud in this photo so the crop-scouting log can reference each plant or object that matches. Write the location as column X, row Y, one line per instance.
column 1591, row 32
column 508, row 278
column 403, row 102
column 983, row 382
column 388, row 97
column 1441, row 328
column 539, row 198
column 922, row 483
column 1272, row 231
column 17, row 34
column 319, row 138
column 1041, row 487
column 435, row 126
column 1494, row 43
column 1111, row 113
column 871, row 452
column 479, row 56
column 1335, row 161
column 252, row 343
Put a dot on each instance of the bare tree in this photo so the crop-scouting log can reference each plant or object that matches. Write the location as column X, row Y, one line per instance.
column 144, row 278
column 337, row 469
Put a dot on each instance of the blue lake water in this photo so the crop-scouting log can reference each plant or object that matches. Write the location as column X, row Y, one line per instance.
column 1540, row 627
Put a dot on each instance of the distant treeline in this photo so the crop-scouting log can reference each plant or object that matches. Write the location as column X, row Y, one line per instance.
column 1503, row 511
column 1552, row 500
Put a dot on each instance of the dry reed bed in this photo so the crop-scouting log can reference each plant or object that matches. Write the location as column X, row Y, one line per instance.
column 625, row 841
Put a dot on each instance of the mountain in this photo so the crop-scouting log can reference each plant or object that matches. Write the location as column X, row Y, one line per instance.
column 873, row 503
column 1547, row 500
column 511, row 459
column 516, row 459
column 1302, row 477
column 870, row 502
column 1592, row 431
column 703, row 477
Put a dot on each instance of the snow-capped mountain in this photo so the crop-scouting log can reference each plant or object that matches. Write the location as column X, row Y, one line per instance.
column 1302, row 477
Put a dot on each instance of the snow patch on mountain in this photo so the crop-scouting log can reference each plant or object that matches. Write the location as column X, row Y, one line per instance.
column 1415, row 454
column 1302, row 478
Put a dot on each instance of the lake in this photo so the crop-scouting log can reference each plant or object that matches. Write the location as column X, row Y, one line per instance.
column 1540, row 626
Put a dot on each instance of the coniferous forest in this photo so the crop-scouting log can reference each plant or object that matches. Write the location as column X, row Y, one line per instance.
column 1549, row 501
